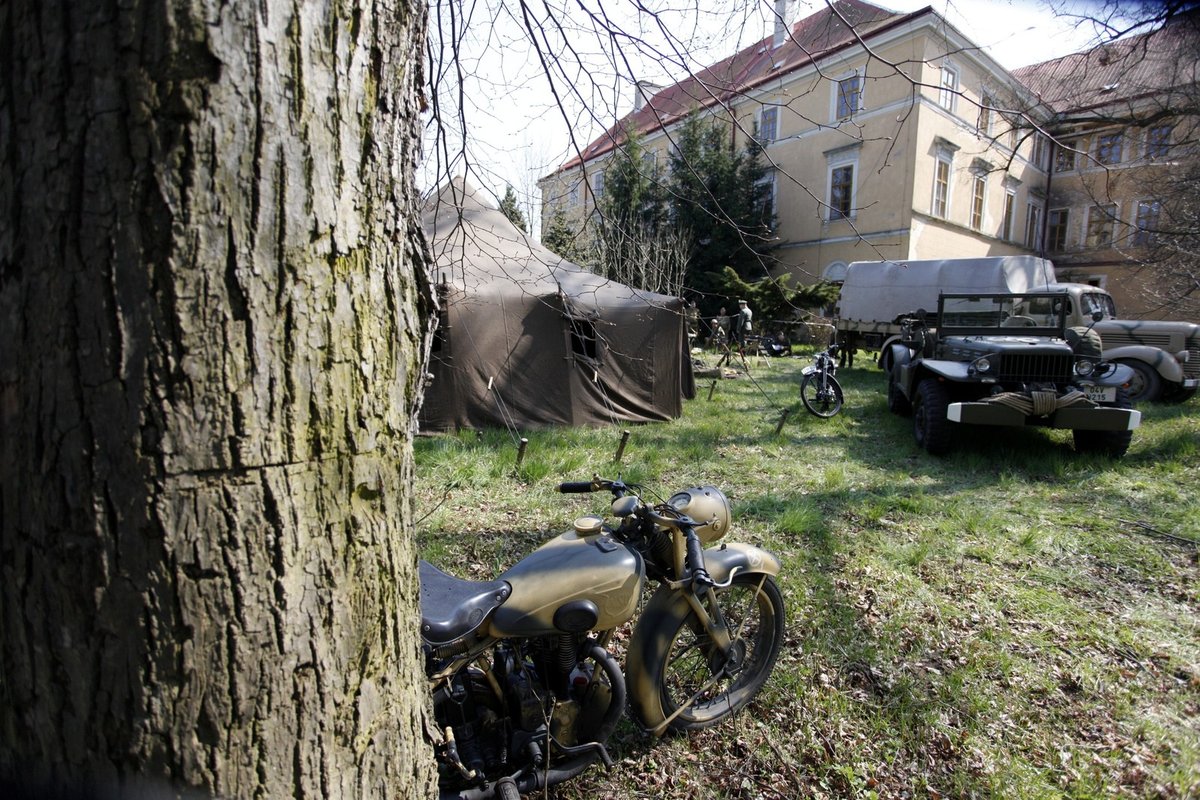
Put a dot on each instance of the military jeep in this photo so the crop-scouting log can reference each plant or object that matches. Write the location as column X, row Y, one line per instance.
column 1008, row 359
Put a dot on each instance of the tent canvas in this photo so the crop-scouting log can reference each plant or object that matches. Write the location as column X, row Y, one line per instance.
column 527, row 339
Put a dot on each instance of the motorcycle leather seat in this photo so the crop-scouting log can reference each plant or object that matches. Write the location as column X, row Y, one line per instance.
column 453, row 607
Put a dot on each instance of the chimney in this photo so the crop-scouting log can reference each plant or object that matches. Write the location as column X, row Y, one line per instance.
column 781, row 25
column 642, row 92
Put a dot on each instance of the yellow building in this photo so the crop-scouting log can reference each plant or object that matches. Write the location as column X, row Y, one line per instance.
column 892, row 136
column 1124, row 128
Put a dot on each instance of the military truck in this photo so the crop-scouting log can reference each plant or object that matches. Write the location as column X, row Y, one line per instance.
column 877, row 295
column 1010, row 360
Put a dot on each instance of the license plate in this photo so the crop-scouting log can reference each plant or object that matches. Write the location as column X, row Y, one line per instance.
column 1100, row 394
column 809, row 370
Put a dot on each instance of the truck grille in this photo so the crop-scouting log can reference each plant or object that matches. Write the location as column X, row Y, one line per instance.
column 1192, row 367
column 1033, row 367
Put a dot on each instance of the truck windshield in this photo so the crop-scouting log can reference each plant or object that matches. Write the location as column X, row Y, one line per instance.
column 977, row 312
column 1095, row 301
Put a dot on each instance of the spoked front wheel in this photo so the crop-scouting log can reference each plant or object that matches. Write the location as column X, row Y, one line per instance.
column 697, row 684
column 821, row 400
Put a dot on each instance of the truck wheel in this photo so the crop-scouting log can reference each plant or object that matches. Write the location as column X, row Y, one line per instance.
column 1174, row 393
column 1146, row 386
column 930, row 426
column 1113, row 444
column 896, row 401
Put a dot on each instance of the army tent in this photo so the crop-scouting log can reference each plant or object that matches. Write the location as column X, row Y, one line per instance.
column 526, row 339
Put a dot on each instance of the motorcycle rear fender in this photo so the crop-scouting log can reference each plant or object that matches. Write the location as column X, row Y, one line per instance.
column 667, row 605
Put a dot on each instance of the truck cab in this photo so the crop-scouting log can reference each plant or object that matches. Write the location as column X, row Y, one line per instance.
column 1009, row 360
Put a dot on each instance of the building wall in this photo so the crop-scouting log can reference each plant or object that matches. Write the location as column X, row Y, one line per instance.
column 893, row 141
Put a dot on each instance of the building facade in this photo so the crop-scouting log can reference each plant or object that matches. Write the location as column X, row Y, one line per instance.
column 892, row 136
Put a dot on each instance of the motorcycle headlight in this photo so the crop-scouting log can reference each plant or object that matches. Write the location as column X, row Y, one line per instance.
column 1084, row 367
column 982, row 366
column 708, row 506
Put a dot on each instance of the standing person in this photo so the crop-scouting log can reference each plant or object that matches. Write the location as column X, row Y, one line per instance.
column 743, row 324
column 720, row 329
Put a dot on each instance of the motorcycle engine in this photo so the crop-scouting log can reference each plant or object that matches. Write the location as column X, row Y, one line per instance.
column 535, row 694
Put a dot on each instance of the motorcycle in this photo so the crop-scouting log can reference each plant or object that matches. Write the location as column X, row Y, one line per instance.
column 525, row 690
column 819, row 389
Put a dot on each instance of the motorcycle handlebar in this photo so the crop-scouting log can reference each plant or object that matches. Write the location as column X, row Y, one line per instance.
column 575, row 487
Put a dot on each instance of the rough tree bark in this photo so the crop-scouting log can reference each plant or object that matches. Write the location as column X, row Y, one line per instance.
column 210, row 327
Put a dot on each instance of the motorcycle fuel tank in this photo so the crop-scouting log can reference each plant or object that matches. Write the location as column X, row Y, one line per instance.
column 574, row 582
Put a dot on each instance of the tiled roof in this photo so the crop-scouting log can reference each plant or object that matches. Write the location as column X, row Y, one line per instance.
column 811, row 39
column 1117, row 72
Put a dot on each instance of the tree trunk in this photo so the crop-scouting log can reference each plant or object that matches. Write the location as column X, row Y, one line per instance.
column 212, row 312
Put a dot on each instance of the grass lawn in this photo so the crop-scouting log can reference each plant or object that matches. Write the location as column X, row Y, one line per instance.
column 1011, row 620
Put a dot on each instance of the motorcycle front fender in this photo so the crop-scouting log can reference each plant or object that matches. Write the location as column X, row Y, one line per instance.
column 666, row 608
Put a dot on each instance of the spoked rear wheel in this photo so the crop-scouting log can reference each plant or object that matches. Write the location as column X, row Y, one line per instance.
column 822, row 401
column 689, row 667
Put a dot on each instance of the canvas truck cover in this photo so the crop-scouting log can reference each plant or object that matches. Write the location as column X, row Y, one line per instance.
column 882, row 291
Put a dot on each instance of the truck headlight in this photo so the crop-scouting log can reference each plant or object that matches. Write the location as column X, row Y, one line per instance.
column 1084, row 367
column 981, row 366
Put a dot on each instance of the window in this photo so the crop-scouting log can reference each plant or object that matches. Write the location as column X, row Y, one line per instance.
column 1006, row 227
column 948, row 92
column 573, row 193
column 1148, row 212
column 1033, row 226
column 841, row 192
column 1158, row 141
column 769, row 186
column 650, row 163
column 849, row 96
column 1100, row 225
column 583, row 338
column 984, row 124
column 1064, row 156
column 1108, row 148
column 1057, row 234
column 978, row 193
column 941, row 188
column 768, row 124
column 1039, row 151
column 597, row 185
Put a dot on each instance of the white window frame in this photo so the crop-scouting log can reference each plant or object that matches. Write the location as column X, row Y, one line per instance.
column 978, row 202
column 987, row 107
column 597, row 185
column 836, row 111
column 1143, row 236
column 1033, row 225
column 948, row 89
column 1155, row 148
column 1068, row 149
column 1038, row 152
column 1111, row 218
column 1103, row 141
column 1008, row 218
column 834, row 214
column 765, row 111
column 948, row 162
column 1051, row 245
column 771, row 180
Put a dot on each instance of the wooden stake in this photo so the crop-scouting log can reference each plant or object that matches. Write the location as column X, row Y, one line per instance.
column 712, row 389
column 621, row 446
column 782, row 420
column 521, row 450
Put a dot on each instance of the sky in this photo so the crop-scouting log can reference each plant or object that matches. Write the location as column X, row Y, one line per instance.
column 521, row 127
